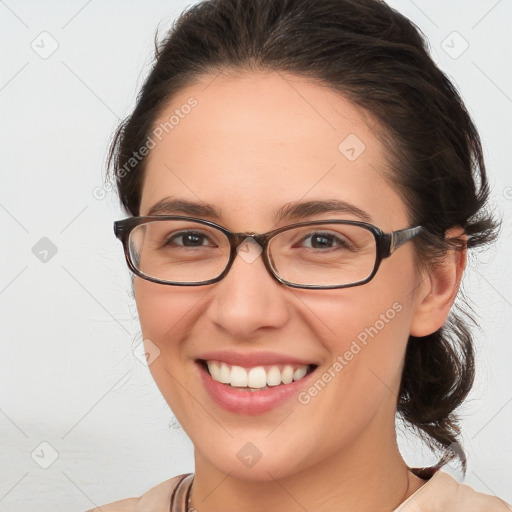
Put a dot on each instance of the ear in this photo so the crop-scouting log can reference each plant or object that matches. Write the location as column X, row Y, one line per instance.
column 438, row 289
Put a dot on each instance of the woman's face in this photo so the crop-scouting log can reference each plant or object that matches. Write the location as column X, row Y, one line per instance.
column 250, row 146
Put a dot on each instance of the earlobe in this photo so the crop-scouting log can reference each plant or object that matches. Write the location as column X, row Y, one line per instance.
column 438, row 289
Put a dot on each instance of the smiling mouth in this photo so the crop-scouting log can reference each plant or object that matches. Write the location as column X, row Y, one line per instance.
column 256, row 378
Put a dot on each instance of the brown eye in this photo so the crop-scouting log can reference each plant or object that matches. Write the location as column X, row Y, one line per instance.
column 188, row 239
column 325, row 241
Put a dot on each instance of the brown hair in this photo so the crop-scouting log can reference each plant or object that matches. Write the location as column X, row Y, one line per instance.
column 377, row 58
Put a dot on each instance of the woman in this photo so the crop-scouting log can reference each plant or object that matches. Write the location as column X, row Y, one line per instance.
column 303, row 184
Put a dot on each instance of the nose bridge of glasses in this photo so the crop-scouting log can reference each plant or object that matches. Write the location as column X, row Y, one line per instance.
column 250, row 236
column 249, row 246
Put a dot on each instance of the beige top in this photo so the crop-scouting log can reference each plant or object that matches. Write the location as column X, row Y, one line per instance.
column 441, row 493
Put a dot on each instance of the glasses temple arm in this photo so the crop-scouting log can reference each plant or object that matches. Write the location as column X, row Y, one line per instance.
column 400, row 237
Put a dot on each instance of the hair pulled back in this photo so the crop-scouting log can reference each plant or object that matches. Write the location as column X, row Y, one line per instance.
column 378, row 59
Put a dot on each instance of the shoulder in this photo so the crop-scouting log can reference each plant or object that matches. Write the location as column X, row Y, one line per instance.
column 155, row 498
column 473, row 501
column 443, row 493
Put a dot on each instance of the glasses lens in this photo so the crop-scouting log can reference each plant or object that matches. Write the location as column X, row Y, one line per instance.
column 178, row 251
column 324, row 254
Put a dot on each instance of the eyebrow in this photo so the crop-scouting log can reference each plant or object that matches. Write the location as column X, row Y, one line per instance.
column 170, row 206
column 289, row 212
column 300, row 209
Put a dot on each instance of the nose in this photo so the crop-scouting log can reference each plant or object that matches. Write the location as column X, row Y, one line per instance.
column 248, row 298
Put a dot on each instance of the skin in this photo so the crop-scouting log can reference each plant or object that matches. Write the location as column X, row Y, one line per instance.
column 254, row 143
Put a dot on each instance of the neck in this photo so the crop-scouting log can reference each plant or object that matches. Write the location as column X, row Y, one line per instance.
column 369, row 475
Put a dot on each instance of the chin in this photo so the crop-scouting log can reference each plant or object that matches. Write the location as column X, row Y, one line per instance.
column 253, row 462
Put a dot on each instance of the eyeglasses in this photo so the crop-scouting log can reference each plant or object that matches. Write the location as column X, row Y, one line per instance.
column 321, row 254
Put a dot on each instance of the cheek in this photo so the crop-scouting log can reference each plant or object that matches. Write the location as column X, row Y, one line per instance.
column 164, row 313
column 369, row 328
column 361, row 379
column 369, row 344
column 360, row 314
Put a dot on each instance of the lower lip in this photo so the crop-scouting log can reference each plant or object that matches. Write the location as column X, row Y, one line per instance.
column 250, row 402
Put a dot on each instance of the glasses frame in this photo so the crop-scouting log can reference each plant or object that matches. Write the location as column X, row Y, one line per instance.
column 386, row 245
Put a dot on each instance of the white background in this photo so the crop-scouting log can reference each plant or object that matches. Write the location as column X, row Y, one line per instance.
column 68, row 374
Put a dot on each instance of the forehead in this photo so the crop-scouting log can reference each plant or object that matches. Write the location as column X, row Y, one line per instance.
column 252, row 142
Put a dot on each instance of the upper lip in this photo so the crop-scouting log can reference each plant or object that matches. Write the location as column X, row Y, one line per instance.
column 249, row 359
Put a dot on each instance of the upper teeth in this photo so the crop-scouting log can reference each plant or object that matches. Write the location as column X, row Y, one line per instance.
column 257, row 377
